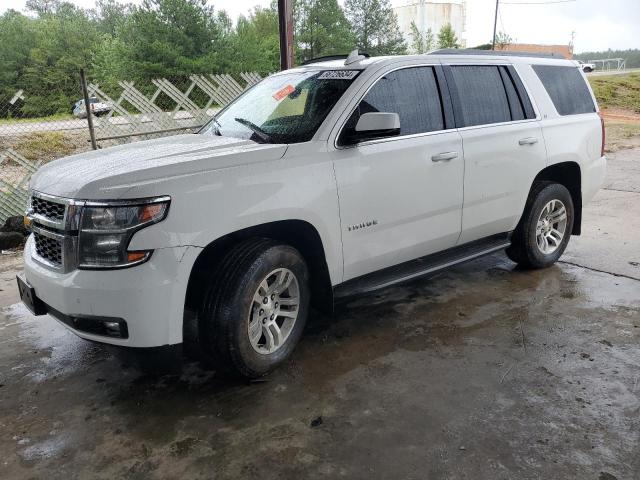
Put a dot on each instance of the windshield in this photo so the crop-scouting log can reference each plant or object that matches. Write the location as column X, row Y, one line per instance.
column 283, row 108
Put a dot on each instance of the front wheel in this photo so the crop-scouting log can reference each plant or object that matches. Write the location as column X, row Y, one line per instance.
column 545, row 228
column 255, row 310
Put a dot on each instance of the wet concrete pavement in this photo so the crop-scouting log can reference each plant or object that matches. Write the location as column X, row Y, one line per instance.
column 483, row 371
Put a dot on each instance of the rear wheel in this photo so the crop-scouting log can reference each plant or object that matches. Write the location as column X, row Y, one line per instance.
column 545, row 228
column 255, row 310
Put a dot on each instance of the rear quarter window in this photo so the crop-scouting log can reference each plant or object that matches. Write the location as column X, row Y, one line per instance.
column 566, row 88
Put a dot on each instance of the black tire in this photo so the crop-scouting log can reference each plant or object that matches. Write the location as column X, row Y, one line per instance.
column 524, row 248
column 223, row 320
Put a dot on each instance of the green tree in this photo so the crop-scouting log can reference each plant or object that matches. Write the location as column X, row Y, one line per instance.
column 447, row 37
column 18, row 36
column 375, row 26
column 255, row 42
column 632, row 56
column 421, row 42
column 42, row 7
column 64, row 42
column 111, row 14
column 171, row 37
column 321, row 28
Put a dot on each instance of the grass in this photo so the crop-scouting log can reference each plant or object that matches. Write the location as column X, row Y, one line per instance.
column 621, row 134
column 617, row 91
column 44, row 146
column 50, row 118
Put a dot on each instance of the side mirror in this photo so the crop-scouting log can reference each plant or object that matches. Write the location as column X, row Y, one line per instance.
column 375, row 125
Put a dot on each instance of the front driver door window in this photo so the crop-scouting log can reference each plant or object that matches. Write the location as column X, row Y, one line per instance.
column 412, row 93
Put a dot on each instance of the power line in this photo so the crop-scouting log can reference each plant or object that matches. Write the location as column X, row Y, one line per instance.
column 495, row 24
column 538, row 3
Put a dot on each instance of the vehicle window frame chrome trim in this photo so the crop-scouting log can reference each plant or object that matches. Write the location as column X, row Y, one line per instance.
column 397, row 137
column 536, row 111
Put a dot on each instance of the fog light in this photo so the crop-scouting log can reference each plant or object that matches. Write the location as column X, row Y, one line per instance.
column 112, row 329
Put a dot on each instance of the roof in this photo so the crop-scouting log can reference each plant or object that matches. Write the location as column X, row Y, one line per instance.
column 462, row 55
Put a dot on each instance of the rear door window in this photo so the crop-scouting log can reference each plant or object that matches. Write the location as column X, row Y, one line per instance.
column 482, row 95
column 412, row 93
column 566, row 88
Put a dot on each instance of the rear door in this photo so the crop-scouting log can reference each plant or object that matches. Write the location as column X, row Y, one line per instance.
column 401, row 197
column 503, row 146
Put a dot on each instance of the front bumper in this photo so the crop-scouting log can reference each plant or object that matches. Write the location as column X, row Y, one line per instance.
column 148, row 297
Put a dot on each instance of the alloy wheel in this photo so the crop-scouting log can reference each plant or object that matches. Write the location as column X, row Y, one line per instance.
column 274, row 310
column 551, row 226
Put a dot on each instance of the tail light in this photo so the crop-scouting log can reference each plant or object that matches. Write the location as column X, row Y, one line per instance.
column 603, row 134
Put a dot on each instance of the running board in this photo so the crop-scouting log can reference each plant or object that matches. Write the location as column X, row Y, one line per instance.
column 422, row 266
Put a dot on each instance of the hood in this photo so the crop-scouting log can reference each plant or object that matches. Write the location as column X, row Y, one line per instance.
column 100, row 173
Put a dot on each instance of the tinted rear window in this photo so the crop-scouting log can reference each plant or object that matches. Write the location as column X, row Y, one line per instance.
column 483, row 98
column 567, row 89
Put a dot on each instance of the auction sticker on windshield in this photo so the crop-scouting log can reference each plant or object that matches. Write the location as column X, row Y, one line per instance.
column 283, row 92
column 339, row 75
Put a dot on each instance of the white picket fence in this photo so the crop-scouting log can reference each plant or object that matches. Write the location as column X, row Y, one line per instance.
column 133, row 116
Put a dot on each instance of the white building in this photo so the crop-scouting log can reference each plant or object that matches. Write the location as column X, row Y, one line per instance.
column 433, row 14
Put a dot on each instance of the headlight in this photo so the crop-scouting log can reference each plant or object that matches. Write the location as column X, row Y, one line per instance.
column 106, row 230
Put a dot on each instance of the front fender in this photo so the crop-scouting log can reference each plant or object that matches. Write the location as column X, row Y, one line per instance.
column 208, row 206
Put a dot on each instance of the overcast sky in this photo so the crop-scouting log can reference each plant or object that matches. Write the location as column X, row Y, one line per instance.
column 598, row 24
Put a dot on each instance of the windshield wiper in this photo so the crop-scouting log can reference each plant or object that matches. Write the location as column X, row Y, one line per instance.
column 264, row 136
column 217, row 130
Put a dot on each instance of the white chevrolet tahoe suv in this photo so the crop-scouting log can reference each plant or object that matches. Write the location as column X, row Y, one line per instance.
column 333, row 178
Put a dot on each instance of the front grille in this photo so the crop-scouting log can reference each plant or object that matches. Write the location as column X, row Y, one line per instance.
column 47, row 209
column 49, row 249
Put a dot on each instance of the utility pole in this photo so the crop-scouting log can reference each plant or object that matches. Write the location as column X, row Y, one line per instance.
column 87, row 107
column 495, row 24
column 285, row 27
column 573, row 38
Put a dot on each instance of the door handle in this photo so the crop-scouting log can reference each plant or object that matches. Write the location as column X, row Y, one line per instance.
column 528, row 141
column 444, row 157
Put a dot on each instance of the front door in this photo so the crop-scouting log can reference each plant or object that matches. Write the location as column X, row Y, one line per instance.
column 400, row 197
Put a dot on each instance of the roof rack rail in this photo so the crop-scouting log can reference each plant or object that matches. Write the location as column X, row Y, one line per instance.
column 501, row 53
column 327, row 58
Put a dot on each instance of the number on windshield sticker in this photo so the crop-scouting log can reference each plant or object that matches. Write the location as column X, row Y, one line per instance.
column 338, row 75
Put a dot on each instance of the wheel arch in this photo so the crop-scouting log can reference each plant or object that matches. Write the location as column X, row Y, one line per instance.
column 300, row 234
column 568, row 174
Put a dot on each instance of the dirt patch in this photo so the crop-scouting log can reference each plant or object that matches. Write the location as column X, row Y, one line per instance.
column 621, row 133
column 44, row 146
column 620, row 114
